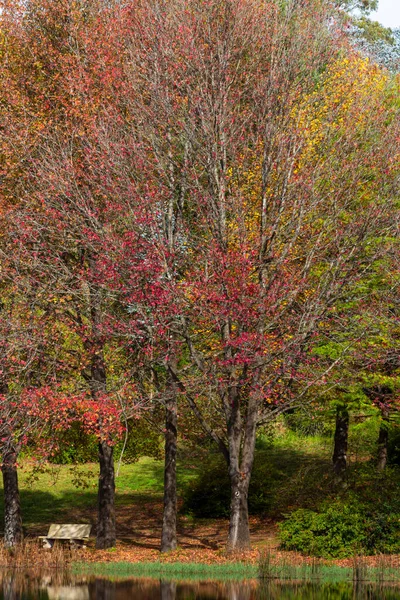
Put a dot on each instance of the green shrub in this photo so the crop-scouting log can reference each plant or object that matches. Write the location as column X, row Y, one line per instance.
column 208, row 496
column 75, row 446
column 78, row 447
column 341, row 529
column 336, row 532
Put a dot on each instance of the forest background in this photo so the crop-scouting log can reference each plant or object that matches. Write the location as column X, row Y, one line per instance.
column 199, row 235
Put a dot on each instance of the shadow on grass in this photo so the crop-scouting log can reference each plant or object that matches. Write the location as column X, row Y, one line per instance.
column 285, row 478
column 40, row 508
column 282, row 479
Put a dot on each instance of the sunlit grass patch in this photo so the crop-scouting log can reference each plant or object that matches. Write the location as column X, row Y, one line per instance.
column 176, row 570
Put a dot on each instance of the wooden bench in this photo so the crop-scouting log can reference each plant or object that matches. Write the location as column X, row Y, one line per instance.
column 75, row 534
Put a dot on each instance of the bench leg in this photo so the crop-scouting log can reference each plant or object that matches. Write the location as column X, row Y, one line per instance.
column 76, row 543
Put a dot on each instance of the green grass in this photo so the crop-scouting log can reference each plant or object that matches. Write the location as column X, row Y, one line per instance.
column 237, row 572
column 307, row 445
column 50, row 494
column 188, row 571
column 291, row 470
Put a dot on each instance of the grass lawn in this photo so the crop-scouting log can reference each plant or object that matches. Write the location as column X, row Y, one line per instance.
column 68, row 493
column 58, row 492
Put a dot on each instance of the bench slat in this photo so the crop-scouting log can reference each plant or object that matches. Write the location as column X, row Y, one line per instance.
column 69, row 531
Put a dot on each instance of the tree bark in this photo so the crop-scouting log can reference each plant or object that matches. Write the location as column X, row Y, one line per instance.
column 239, row 533
column 242, row 441
column 339, row 458
column 106, row 531
column 383, row 439
column 13, row 533
column 106, row 528
column 168, row 535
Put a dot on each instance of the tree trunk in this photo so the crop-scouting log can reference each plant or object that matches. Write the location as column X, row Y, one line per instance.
column 383, row 440
column 168, row 535
column 339, row 458
column 241, row 458
column 106, row 531
column 13, row 533
column 239, row 533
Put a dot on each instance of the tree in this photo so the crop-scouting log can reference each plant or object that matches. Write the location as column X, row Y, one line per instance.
column 274, row 144
column 249, row 343
column 273, row 212
column 56, row 254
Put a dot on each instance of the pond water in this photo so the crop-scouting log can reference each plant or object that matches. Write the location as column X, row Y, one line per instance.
column 18, row 585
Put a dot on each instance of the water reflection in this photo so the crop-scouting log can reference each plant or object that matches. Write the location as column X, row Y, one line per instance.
column 168, row 590
column 326, row 591
column 65, row 592
column 9, row 588
column 20, row 585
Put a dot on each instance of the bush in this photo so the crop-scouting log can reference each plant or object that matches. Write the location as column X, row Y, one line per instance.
column 75, row 446
column 314, row 421
column 342, row 529
column 394, row 446
column 208, row 496
column 78, row 447
column 336, row 532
